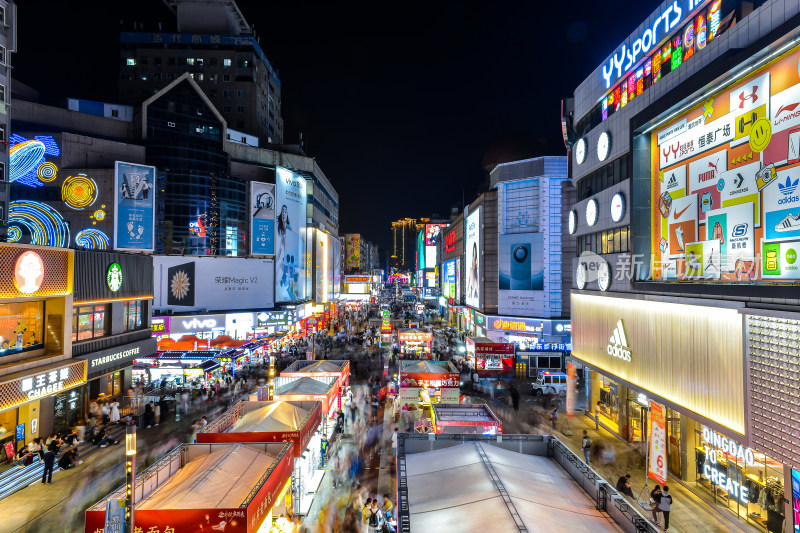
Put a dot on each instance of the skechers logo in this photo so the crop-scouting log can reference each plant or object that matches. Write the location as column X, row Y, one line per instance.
column 789, row 108
column 739, row 230
column 787, row 189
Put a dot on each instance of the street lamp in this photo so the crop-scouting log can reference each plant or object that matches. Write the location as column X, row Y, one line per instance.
column 271, row 377
column 130, row 473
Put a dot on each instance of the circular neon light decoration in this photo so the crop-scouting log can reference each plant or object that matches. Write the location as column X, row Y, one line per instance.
column 580, row 151
column 24, row 157
column 92, row 239
column 45, row 225
column 603, row 146
column 47, row 172
column 14, row 234
column 114, row 277
column 99, row 214
column 29, row 272
column 79, row 191
column 591, row 212
column 617, row 207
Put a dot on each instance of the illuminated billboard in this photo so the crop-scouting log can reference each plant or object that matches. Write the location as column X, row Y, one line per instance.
column 725, row 183
column 520, row 273
column 134, row 206
column 262, row 218
column 432, row 233
column 290, row 236
column 449, row 279
column 352, row 242
column 473, row 258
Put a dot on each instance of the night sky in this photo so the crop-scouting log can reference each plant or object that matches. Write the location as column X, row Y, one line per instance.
column 403, row 105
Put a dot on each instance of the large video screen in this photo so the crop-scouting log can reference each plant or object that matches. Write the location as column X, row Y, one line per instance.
column 725, row 183
column 473, row 259
column 520, row 273
column 290, row 236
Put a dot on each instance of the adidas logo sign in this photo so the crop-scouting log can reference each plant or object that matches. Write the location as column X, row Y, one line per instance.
column 618, row 343
column 673, row 182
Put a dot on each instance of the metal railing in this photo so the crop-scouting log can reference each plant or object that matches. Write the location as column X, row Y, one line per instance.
column 225, row 420
column 501, row 488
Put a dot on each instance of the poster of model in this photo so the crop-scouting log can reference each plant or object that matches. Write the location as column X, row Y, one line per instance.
column 290, row 233
column 473, row 258
column 657, row 464
column 134, row 206
column 262, row 218
column 520, row 274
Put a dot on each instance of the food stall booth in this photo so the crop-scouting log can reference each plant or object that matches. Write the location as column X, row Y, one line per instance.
column 235, row 488
column 278, row 421
column 472, row 419
column 324, row 389
column 339, row 369
column 425, row 382
column 415, row 344
column 491, row 359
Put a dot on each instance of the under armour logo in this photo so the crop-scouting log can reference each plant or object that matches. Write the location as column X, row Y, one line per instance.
column 745, row 97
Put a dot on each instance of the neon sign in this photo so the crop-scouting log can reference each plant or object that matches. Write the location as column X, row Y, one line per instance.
column 625, row 58
column 450, row 242
column 29, row 272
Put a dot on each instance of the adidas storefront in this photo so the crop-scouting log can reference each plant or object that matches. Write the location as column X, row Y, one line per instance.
column 690, row 359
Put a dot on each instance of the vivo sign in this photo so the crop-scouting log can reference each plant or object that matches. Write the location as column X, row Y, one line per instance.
column 625, row 58
column 200, row 324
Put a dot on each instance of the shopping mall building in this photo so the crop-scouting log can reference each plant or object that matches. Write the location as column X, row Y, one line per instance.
column 684, row 149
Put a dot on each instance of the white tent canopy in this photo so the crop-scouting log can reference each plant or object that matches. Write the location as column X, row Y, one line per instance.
column 274, row 417
column 322, row 366
column 426, row 367
column 451, row 490
column 219, row 480
column 302, row 386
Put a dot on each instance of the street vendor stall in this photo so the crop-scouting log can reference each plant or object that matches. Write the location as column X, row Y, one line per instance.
column 489, row 358
column 278, row 421
column 415, row 344
column 334, row 368
column 470, row 419
column 235, row 488
column 324, row 389
column 426, row 382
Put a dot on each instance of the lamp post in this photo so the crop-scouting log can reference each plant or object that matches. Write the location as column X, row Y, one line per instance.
column 271, row 377
column 130, row 474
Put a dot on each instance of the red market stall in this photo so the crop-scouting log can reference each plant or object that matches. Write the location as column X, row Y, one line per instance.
column 333, row 368
column 278, row 421
column 427, row 382
column 235, row 488
column 323, row 389
column 415, row 344
column 489, row 358
column 472, row 419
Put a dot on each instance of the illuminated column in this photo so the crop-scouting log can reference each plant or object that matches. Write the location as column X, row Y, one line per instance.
column 271, row 377
column 130, row 474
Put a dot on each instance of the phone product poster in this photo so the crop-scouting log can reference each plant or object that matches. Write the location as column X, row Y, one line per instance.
column 134, row 206
column 473, row 258
column 290, row 232
column 520, row 273
column 262, row 218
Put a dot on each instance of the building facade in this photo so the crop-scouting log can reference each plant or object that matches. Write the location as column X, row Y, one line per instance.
column 684, row 300
column 218, row 48
column 8, row 45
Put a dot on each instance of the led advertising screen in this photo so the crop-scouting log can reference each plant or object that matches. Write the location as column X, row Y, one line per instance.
column 187, row 283
column 725, row 183
column 430, row 257
column 520, row 274
column 352, row 251
column 134, row 206
column 337, row 265
column 421, row 250
column 458, row 280
column 473, row 258
column 290, row 236
column 432, row 233
column 262, row 218
column 449, row 279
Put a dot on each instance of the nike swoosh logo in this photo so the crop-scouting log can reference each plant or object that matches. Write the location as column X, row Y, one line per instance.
column 682, row 211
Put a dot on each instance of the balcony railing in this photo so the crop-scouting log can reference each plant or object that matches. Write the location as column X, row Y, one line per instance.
column 103, row 343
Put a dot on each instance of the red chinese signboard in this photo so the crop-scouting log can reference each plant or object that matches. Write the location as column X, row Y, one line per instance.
column 494, row 348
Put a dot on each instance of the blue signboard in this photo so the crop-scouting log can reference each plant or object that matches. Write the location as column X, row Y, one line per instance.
column 20, row 433
column 262, row 218
column 134, row 206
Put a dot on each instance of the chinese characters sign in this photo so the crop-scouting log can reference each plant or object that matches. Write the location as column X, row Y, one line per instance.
column 32, row 387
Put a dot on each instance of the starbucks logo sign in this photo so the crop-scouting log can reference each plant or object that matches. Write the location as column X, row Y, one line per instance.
column 114, row 277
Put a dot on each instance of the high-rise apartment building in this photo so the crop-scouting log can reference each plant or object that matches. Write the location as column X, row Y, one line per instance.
column 219, row 49
column 8, row 44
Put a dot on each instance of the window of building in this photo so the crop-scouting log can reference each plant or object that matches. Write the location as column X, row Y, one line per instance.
column 114, row 384
column 240, row 109
column 131, row 62
column 171, row 60
column 240, row 93
column 115, row 113
column 226, row 109
column 190, row 61
column 2, row 132
column 21, row 327
column 226, row 78
column 89, row 322
column 244, row 63
column 612, row 241
column 2, row 93
column 198, row 61
column 144, row 60
column 226, row 62
column 2, row 16
column 170, row 76
column 158, row 61
column 213, row 61
column 240, row 123
column 213, row 78
column 181, row 60
column 156, row 76
column 133, row 315
column 226, row 94
column 213, row 93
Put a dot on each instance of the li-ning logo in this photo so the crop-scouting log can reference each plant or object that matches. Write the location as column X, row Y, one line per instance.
column 788, row 189
column 744, row 97
column 618, row 343
column 790, row 109
column 709, row 174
